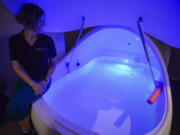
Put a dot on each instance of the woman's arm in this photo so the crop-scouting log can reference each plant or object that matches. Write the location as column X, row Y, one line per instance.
column 21, row 72
column 24, row 76
column 52, row 66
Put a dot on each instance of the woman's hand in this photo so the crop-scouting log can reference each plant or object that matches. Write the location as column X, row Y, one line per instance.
column 38, row 88
column 44, row 83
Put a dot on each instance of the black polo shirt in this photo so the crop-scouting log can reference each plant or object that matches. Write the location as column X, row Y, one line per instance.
column 33, row 59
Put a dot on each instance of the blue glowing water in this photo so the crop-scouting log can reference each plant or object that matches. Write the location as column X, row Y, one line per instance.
column 108, row 96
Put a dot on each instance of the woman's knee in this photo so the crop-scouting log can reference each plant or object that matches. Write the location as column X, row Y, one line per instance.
column 17, row 112
column 11, row 107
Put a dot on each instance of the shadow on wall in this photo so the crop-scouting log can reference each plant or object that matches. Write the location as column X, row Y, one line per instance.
column 6, row 70
column 163, row 48
column 8, row 27
column 171, row 57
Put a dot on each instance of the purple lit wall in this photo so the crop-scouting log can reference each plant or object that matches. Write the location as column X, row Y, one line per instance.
column 160, row 17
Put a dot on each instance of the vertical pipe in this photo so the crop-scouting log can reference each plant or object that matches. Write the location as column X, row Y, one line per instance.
column 79, row 35
column 145, row 49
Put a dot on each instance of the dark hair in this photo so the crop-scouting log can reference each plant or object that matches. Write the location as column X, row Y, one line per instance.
column 29, row 15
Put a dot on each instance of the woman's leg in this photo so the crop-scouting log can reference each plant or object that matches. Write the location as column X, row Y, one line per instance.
column 19, row 105
column 25, row 124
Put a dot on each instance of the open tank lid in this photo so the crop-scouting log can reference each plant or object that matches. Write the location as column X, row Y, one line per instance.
column 160, row 18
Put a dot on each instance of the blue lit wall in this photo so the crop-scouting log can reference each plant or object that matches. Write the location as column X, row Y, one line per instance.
column 161, row 18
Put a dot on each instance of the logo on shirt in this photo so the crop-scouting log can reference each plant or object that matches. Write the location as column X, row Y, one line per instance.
column 41, row 49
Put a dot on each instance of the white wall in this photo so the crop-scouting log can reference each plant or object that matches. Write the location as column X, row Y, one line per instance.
column 8, row 27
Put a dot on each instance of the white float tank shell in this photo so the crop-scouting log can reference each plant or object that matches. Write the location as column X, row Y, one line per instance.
column 107, row 88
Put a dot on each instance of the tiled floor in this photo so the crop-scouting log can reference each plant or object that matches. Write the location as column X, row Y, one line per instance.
column 11, row 128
